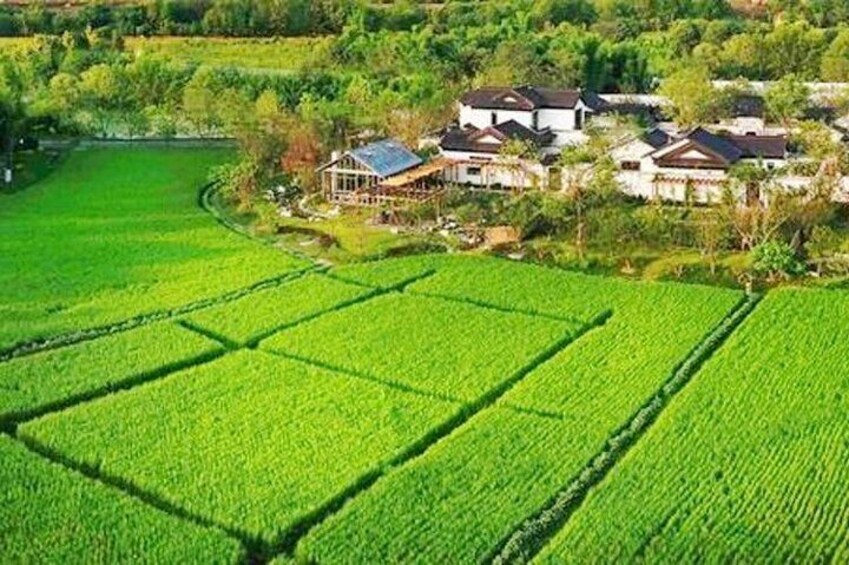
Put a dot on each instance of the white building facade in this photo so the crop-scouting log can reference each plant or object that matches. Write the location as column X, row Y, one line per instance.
column 546, row 118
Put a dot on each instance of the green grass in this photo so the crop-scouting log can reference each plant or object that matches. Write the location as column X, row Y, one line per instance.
column 261, row 313
column 748, row 463
column 250, row 441
column 278, row 54
column 30, row 167
column 35, row 382
column 347, row 238
column 441, row 347
column 53, row 515
column 116, row 233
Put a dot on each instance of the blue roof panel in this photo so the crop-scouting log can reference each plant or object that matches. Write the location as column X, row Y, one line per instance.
column 386, row 157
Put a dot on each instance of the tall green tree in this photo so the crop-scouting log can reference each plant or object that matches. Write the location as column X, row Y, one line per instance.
column 690, row 93
column 787, row 100
column 13, row 110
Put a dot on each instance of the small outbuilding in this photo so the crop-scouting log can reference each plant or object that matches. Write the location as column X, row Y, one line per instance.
column 379, row 173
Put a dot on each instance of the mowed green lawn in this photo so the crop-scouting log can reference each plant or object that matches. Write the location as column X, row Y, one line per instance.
column 425, row 409
column 116, row 233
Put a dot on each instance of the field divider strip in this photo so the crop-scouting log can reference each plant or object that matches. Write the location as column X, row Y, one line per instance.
column 532, row 411
column 376, row 292
column 12, row 421
column 292, row 535
column 400, row 286
column 88, row 334
column 345, row 372
column 254, row 341
column 497, row 307
column 526, row 541
column 132, row 490
column 209, row 334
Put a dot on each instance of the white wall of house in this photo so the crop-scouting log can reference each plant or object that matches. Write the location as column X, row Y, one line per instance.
column 562, row 122
column 483, row 169
column 482, row 118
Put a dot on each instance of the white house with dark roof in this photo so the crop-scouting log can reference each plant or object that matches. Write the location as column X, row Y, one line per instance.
column 662, row 165
column 547, row 118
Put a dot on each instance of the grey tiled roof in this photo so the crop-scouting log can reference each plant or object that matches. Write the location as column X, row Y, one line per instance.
column 527, row 97
column 469, row 138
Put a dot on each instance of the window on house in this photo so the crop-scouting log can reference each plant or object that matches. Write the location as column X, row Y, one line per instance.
column 630, row 165
column 535, row 120
column 493, row 118
column 579, row 119
column 473, row 171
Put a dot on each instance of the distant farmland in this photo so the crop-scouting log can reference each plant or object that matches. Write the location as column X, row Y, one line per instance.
column 277, row 55
column 284, row 54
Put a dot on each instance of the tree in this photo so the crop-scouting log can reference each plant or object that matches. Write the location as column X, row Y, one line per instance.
column 263, row 137
column 513, row 62
column 787, row 100
column 302, row 155
column 690, row 93
column 751, row 179
column 775, row 260
column 711, row 237
column 514, row 157
column 101, row 93
column 751, row 222
column 591, row 181
column 822, row 246
column 13, row 110
column 794, row 48
column 835, row 60
column 200, row 102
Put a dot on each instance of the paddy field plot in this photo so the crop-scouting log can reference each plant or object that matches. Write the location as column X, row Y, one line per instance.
column 53, row 515
column 50, row 379
column 748, row 462
column 251, row 441
column 463, row 498
column 117, row 233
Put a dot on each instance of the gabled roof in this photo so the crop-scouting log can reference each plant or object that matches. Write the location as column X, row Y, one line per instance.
column 657, row 138
column 386, row 157
column 473, row 139
column 721, row 146
column 763, row 146
column 512, row 129
column 720, row 151
column 527, row 97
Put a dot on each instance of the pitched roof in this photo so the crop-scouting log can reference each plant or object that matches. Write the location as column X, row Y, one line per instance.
column 723, row 150
column 721, row 146
column 763, row 146
column 656, row 137
column 386, row 157
column 514, row 130
column 525, row 97
column 470, row 138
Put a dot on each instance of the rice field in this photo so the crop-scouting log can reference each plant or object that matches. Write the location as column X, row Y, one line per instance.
column 171, row 391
